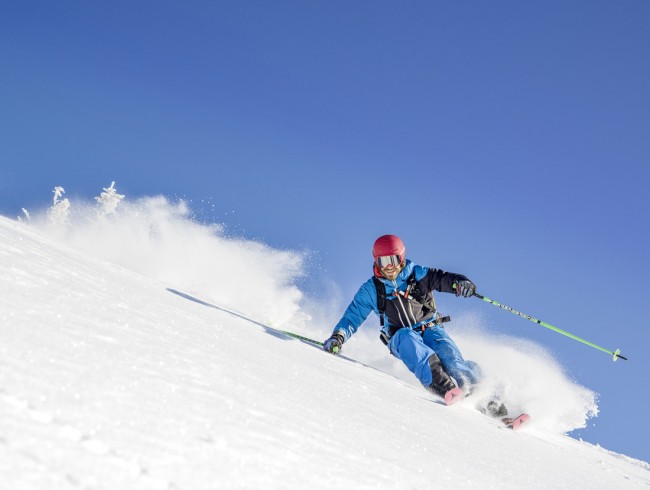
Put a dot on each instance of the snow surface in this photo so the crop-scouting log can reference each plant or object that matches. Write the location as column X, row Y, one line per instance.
column 137, row 352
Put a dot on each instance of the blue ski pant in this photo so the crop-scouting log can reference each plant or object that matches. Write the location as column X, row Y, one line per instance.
column 414, row 348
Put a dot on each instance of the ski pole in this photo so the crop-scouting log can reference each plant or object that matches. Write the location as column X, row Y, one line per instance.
column 307, row 339
column 300, row 337
column 616, row 354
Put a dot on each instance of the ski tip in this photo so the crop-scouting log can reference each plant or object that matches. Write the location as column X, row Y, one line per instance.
column 454, row 395
column 520, row 421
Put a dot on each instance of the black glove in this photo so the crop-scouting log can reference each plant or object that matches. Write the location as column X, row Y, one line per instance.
column 465, row 288
column 334, row 343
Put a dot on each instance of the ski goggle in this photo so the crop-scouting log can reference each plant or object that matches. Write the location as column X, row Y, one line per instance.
column 387, row 260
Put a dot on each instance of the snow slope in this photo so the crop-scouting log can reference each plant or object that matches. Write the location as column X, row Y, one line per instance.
column 110, row 379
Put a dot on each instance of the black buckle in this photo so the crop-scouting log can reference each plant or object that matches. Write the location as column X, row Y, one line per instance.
column 438, row 321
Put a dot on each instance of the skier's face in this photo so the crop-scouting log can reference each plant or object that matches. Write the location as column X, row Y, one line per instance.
column 391, row 271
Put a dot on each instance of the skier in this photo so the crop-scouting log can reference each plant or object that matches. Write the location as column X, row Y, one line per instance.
column 401, row 293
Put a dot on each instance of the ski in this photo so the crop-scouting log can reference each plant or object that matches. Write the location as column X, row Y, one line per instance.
column 454, row 395
column 517, row 422
column 497, row 410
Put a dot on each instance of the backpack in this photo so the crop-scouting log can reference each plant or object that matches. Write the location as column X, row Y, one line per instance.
column 412, row 290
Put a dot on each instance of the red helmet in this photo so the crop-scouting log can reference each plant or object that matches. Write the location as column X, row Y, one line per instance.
column 389, row 245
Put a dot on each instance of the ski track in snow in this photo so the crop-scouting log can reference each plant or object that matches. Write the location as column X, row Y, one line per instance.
column 108, row 380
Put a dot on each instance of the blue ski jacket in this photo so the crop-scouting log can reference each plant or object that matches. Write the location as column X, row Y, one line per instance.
column 400, row 312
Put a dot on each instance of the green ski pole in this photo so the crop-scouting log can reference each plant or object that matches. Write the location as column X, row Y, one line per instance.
column 300, row 337
column 307, row 339
column 616, row 354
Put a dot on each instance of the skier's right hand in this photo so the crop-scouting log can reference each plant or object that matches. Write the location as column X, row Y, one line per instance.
column 334, row 343
column 465, row 288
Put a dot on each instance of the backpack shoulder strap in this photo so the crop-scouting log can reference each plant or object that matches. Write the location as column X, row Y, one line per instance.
column 412, row 286
column 418, row 295
column 381, row 298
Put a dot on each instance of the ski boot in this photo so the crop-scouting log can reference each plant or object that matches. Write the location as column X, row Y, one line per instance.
column 443, row 385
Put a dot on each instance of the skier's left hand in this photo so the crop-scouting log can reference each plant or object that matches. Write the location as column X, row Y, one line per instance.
column 465, row 288
column 334, row 343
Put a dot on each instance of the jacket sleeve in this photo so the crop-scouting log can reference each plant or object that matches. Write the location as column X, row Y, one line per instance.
column 439, row 280
column 356, row 313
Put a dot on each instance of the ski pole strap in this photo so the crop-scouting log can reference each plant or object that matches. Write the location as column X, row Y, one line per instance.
column 616, row 354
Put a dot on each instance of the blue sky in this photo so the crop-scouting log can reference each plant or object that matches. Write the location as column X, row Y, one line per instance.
column 505, row 140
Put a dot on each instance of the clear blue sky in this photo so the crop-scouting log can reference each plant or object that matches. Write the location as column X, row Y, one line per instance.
column 506, row 140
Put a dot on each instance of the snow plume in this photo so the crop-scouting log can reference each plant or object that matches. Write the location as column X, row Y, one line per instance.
column 158, row 239
column 527, row 376
column 522, row 372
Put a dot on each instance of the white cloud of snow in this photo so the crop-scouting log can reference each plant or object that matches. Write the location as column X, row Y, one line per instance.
column 158, row 239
